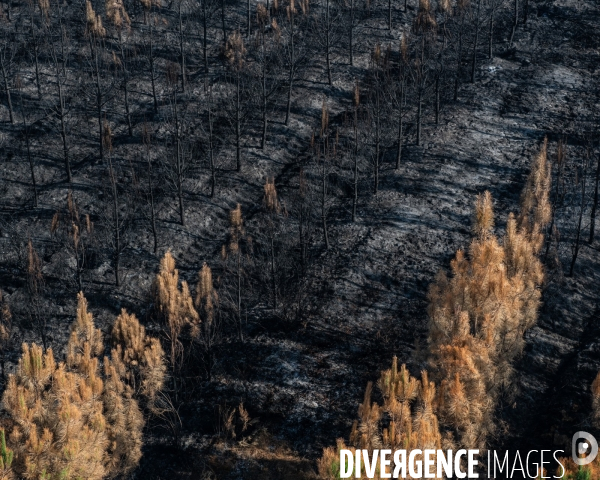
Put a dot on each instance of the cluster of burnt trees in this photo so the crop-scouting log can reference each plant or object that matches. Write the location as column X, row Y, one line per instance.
column 181, row 91
column 152, row 105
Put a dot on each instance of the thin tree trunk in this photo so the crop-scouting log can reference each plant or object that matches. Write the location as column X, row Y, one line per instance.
column 400, row 120
column 377, row 135
column 324, row 201
column 179, row 164
column 273, row 278
column 79, row 261
column 355, row 195
column 578, row 235
column 117, row 253
column 29, row 157
column 554, row 203
column 98, row 93
column 151, row 196
column 389, row 14
column 249, row 26
column 37, row 68
column 36, row 58
column 474, row 64
column 327, row 43
column 180, row 184
column 459, row 57
column 7, row 90
column 421, row 87
column 437, row 99
column 594, row 204
column 238, row 135
column 239, row 296
column 213, row 176
column 152, row 76
column 205, row 37
column 515, row 23
column 223, row 22
column 263, row 141
column 328, row 48
column 126, row 90
column 181, row 50
column 301, row 235
column 61, row 106
column 351, row 33
column 491, row 35
column 292, row 66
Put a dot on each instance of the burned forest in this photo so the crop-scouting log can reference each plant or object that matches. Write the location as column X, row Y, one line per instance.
column 239, row 238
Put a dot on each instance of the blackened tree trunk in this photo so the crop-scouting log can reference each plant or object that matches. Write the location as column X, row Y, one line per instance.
column 151, row 192
column 223, row 22
column 29, row 156
column 213, row 175
column 239, row 295
column 328, row 27
column 476, row 40
column 263, row 141
column 400, row 118
column 116, row 222
column 292, row 68
column 355, row 152
column 577, row 243
column 459, row 56
column 515, row 22
column 249, row 23
column 273, row 274
column 99, row 101
column 152, row 69
column 179, row 163
column 205, row 37
column 238, row 127
column 594, row 203
column 126, row 88
column 3, row 67
column 36, row 51
column 351, row 34
column 555, row 200
column 377, row 134
column 62, row 111
column 182, row 48
column 491, row 32
column 324, row 197
column 437, row 98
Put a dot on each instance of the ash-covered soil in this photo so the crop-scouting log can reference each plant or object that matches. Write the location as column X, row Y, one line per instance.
column 364, row 298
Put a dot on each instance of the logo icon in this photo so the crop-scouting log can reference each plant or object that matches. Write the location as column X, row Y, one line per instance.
column 584, row 448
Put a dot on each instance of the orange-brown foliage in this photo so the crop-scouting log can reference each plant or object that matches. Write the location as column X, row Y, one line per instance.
column 479, row 313
column 73, row 420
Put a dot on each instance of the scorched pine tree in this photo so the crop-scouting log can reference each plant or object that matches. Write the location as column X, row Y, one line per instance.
column 74, row 419
column 478, row 316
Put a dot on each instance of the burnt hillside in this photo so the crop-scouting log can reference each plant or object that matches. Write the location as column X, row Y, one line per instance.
column 355, row 137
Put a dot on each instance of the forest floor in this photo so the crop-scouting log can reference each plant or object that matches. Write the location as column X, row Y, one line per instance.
column 367, row 296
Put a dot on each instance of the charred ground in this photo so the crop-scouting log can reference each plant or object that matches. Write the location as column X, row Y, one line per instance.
column 342, row 312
